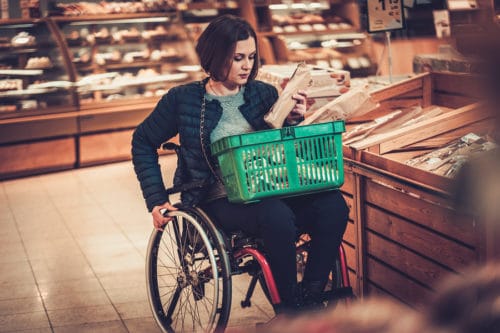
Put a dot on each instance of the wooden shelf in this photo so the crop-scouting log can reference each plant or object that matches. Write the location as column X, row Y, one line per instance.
column 308, row 33
column 208, row 5
column 110, row 17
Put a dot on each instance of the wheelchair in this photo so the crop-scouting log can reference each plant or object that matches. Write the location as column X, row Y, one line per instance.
column 190, row 264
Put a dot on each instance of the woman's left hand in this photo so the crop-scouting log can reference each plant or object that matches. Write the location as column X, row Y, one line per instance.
column 297, row 114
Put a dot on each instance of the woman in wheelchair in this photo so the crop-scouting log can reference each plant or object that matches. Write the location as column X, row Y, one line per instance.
column 230, row 101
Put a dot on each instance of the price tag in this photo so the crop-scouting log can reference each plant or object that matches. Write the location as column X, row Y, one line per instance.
column 385, row 15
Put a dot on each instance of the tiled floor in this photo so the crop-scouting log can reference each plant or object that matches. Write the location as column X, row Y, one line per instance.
column 72, row 254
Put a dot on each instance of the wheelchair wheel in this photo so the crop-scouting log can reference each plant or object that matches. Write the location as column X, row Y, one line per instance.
column 188, row 274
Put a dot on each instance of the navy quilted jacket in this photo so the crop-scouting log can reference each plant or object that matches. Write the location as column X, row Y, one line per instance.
column 179, row 112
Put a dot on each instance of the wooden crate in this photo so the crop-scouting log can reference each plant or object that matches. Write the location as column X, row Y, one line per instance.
column 408, row 234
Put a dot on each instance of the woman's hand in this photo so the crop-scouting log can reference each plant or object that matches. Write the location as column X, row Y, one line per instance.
column 159, row 220
column 297, row 114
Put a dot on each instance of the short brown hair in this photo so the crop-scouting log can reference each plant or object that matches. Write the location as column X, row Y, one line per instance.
column 217, row 43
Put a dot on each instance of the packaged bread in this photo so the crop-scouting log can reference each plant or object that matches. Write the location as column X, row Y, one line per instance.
column 300, row 80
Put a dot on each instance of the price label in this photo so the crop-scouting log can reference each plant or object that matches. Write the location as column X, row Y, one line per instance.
column 384, row 15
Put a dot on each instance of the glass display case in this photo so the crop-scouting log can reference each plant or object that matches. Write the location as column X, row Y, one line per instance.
column 34, row 76
column 323, row 33
column 121, row 57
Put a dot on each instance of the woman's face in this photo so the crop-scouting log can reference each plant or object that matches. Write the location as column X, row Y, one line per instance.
column 242, row 63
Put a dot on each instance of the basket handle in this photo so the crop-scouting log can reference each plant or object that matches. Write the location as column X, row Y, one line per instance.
column 288, row 132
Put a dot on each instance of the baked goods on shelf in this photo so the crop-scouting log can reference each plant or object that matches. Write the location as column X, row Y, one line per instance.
column 11, row 84
column 23, row 39
column 110, row 7
column 303, row 22
column 39, row 63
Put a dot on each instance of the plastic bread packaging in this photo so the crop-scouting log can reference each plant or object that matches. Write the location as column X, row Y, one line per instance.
column 300, row 80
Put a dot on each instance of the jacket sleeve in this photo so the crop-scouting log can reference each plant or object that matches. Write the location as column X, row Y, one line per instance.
column 158, row 127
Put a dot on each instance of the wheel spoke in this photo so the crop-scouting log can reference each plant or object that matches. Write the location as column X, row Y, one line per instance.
column 186, row 291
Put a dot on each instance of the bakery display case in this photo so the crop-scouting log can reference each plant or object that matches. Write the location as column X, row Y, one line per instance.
column 121, row 57
column 34, row 78
column 123, row 64
column 83, row 80
column 197, row 14
column 322, row 33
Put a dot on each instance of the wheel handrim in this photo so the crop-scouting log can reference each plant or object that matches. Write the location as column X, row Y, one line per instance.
column 190, row 271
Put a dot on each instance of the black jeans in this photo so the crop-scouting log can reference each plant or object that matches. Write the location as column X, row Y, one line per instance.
column 322, row 215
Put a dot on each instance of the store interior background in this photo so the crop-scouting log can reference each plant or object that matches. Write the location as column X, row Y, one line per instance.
column 88, row 123
column 73, row 224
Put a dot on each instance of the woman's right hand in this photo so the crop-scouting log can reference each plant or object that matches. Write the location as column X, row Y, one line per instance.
column 159, row 220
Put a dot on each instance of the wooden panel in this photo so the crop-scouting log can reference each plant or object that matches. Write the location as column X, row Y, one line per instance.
column 35, row 157
column 93, row 122
column 399, row 88
column 458, row 84
column 373, row 290
column 405, row 261
column 397, row 284
column 420, row 240
column 441, row 219
column 402, row 170
column 415, row 94
column 105, row 147
column 393, row 104
column 350, row 234
column 348, row 186
column 452, row 101
column 352, row 281
column 350, row 254
column 16, row 130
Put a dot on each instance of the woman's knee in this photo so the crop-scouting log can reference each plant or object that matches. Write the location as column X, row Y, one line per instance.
column 332, row 205
column 331, row 214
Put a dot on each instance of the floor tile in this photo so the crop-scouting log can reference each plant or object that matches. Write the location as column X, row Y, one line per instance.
column 126, row 295
column 61, row 268
column 34, row 330
column 18, row 272
column 48, row 288
column 21, row 305
column 17, row 289
column 52, row 247
column 142, row 325
column 117, row 263
column 127, row 280
column 131, row 310
column 23, row 321
column 85, row 315
column 12, row 251
column 76, row 299
column 115, row 326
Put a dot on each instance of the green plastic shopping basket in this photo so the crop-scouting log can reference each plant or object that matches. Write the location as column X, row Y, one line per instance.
column 281, row 162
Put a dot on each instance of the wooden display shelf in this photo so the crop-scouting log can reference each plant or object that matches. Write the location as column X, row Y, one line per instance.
column 37, row 157
column 409, row 235
column 109, row 17
column 208, row 5
column 38, row 127
column 308, row 33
